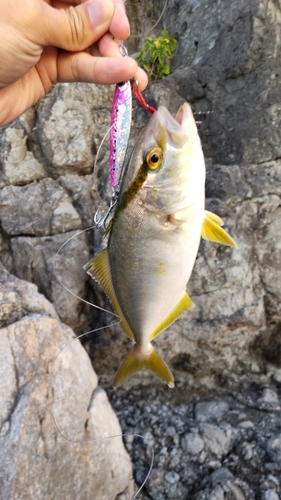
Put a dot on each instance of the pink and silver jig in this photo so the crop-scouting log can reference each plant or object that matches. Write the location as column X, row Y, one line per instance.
column 120, row 126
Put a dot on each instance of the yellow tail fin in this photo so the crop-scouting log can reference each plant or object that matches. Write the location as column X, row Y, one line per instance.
column 136, row 360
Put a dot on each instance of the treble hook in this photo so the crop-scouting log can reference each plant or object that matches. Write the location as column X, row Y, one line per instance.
column 101, row 220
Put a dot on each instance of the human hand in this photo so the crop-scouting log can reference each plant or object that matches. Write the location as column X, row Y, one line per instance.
column 48, row 41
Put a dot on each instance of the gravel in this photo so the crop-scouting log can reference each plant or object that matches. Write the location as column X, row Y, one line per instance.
column 216, row 444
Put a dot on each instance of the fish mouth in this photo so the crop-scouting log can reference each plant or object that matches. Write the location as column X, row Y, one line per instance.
column 184, row 115
column 167, row 130
column 180, row 128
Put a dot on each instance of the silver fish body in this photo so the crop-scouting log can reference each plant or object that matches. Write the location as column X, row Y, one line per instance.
column 154, row 240
column 155, row 234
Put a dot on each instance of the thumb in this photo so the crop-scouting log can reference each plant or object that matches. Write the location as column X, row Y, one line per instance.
column 75, row 28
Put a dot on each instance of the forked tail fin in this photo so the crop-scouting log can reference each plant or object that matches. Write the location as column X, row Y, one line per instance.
column 136, row 360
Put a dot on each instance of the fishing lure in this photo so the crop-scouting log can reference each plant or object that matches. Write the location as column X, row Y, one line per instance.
column 120, row 126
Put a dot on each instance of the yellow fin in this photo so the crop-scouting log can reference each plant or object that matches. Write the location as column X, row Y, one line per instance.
column 136, row 360
column 214, row 217
column 99, row 269
column 212, row 230
column 184, row 304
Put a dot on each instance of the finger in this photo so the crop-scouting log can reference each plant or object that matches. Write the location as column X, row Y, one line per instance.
column 120, row 27
column 15, row 100
column 82, row 67
column 74, row 29
column 109, row 47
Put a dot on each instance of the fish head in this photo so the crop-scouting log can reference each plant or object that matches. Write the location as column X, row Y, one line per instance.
column 172, row 161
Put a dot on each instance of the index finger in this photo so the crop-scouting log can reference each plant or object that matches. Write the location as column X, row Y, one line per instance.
column 120, row 27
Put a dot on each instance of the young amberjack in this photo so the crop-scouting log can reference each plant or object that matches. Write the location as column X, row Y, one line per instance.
column 154, row 236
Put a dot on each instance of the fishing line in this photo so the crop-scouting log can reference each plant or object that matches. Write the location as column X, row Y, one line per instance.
column 75, row 441
column 51, row 378
column 154, row 26
column 144, row 104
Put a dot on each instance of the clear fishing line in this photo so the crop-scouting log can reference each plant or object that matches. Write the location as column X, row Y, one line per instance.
column 98, row 223
column 154, row 26
column 51, row 378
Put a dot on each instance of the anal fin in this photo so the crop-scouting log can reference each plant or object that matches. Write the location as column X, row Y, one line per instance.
column 150, row 360
column 99, row 269
column 212, row 230
column 184, row 304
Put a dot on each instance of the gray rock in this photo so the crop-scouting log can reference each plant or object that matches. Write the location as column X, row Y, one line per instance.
column 217, row 440
column 19, row 166
column 56, row 424
column 40, row 209
column 274, row 448
column 37, row 259
column 207, row 411
column 172, row 477
column 271, row 495
column 192, row 443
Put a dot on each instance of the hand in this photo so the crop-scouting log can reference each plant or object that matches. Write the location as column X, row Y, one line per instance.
column 48, row 41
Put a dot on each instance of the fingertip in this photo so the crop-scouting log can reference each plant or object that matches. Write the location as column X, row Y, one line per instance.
column 142, row 79
column 120, row 27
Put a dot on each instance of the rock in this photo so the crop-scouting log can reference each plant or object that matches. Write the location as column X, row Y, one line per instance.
column 55, row 422
column 40, row 209
column 274, row 448
column 19, row 165
column 192, row 443
column 271, row 495
column 172, row 477
column 217, row 440
column 68, row 136
column 207, row 411
column 225, row 353
column 37, row 259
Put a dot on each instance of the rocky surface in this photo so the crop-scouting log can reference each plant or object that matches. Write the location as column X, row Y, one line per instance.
column 225, row 353
column 54, row 419
column 208, row 445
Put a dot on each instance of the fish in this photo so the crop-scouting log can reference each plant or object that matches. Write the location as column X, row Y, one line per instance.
column 154, row 236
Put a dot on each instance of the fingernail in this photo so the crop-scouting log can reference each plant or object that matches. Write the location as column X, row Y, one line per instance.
column 96, row 12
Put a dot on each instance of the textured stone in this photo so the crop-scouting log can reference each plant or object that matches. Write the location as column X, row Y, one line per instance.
column 227, row 63
column 37, row 260
column 19, row 166
column 40, row 209
column 55, row 422
column 217, row 440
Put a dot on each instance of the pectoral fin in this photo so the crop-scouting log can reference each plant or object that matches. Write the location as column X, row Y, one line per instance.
column 136, row 360
column 99, row 269
column 212, row 230
column 184, row 304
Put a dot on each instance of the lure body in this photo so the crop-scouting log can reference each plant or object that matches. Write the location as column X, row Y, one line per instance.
column 120, row 126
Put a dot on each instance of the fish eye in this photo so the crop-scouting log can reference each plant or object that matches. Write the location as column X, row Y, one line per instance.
column 154, row 158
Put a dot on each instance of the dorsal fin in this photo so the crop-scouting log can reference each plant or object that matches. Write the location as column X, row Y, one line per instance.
column 184, row 304
column 212, row 230
column 99, row 269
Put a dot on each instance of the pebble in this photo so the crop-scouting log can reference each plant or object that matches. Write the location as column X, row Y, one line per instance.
column 206, row 411
column 192, row 443
column 274, row 448
column 247, row 451
column 271, row 495
column 218, row 441
column 246, row 424
column 172, row 477
column 269, row 396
